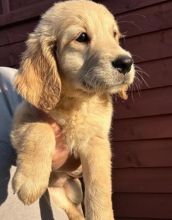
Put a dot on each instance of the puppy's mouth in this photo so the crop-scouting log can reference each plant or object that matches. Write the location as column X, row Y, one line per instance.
column 104, row 82
column 99, row 85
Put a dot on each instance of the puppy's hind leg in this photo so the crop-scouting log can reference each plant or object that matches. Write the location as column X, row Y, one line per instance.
column 59, row 199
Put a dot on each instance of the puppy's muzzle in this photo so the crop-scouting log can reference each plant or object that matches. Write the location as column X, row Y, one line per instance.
column 123, row 64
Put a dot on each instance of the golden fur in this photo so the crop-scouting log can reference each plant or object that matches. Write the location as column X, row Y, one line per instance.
column 72, row 82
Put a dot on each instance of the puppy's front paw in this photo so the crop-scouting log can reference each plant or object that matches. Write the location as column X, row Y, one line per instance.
column 29, row 187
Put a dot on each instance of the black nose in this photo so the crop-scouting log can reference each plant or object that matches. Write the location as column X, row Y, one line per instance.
column 123, row 64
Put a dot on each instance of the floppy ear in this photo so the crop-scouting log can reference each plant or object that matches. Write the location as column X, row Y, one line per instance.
column 38, row 79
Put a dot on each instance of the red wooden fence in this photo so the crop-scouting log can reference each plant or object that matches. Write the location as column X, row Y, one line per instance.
column 142, row 133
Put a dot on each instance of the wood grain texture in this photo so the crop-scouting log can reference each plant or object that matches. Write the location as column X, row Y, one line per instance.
column 22, row 3
column 26, row 13
column 142, row 128
column 153, row 46
column 123, row 6
column 150, row 102
column 157, row 74
column 16, row 33
column 145, row 20
column 147, row 205
column 142, row 154
column 143, row 180
column 10, row 55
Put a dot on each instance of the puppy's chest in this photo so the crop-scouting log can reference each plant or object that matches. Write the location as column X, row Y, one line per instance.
column 81, row 125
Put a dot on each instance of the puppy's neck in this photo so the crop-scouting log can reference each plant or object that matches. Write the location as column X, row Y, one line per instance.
column 69, row 103
column 76, row 100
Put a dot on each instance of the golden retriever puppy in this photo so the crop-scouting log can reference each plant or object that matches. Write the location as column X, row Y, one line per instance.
column 71, row 67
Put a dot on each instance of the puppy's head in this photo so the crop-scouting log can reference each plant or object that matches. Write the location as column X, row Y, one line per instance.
column 76, row 48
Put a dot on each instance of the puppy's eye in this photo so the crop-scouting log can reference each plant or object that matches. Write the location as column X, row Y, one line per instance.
column 83, row 38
